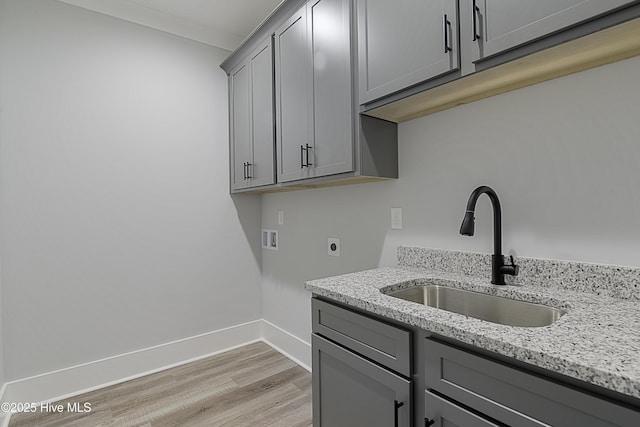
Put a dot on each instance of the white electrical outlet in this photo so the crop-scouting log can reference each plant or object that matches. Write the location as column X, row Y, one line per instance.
column 333, row 246
column 280, row 217
column 396, row 218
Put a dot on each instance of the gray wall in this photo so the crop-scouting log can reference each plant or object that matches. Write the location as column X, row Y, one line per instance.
column 118, row 231
column 562, row 155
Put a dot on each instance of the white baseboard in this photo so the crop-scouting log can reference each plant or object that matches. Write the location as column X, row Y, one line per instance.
column 101, row 373
column 289, row 345
column 68, row 382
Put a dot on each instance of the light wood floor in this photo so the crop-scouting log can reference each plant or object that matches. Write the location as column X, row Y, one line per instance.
column 250, row 386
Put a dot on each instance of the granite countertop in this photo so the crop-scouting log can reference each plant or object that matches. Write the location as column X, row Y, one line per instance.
column 596, row 341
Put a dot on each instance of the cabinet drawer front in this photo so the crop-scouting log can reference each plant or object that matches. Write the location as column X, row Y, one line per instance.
column 515, row 397
column 447, row 414
column 349, row 390
column 375, row 339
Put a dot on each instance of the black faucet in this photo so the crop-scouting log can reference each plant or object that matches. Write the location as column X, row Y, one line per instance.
column 498, row 267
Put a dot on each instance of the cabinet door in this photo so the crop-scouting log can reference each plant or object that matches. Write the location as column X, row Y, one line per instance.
column 261, row 169
column 330, row 43
column 402, row 43
column 349, row 391
column 504, row 24
column 240, row 124
column 293, row 93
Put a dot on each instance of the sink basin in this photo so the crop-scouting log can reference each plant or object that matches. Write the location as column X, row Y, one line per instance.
column 491, row 308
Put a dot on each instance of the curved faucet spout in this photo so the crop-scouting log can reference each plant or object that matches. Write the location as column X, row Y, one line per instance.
column 467, row 228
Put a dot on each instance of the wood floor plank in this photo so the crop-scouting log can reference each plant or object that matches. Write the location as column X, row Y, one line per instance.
column 253, row 409
column 253, row 386
column 246, row 398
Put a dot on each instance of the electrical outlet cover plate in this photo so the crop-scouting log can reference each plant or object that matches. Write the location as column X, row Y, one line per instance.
column 333, row 246
column 396, row 218
column 270, row 239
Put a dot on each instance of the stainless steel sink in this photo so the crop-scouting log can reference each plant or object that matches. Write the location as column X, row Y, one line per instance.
column 482, row 306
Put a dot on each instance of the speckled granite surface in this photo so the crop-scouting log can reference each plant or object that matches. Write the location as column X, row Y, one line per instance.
column 597, row 341
column 610, row 280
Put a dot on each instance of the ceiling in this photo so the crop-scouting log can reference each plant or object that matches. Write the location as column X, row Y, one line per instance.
column 220, row 23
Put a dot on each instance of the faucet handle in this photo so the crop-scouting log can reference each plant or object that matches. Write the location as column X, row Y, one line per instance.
column 516, row 268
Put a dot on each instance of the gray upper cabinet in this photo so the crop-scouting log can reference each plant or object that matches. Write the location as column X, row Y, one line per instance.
column 262, row 118
column 294, row 116
column 314, row 109
column 403, row 43
column 500, row 25
column 240, row 126
column 293, row 112
column 252, row 120
column 330, row 39
column 414, row 55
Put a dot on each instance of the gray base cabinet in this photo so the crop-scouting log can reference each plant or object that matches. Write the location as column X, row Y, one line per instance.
column 513, row 396
column 354, row 382
column 350, row 391
column 364, row 366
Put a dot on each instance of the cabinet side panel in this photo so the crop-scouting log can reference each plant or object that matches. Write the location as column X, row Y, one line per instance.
column 378, row 147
